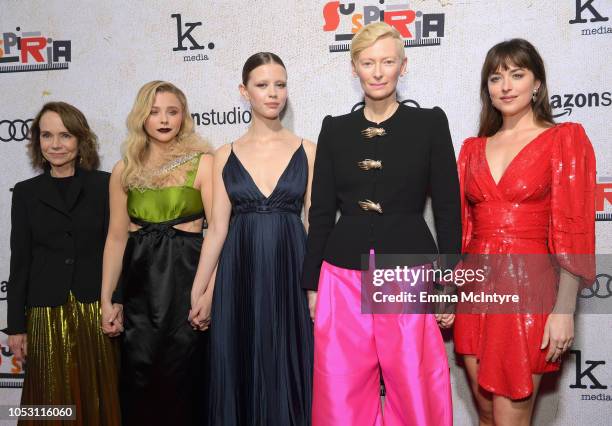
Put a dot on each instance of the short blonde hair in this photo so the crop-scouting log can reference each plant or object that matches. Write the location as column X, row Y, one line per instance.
column 370, row 34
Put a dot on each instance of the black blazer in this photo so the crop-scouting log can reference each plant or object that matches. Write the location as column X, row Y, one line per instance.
column 56, row 245
column 417, row 158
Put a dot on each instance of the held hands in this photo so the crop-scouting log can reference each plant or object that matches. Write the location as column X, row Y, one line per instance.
column 312, row 303
column 18, row 343
column 199, row 314
column 445, row 320
column 558, row 335
column 112, row 319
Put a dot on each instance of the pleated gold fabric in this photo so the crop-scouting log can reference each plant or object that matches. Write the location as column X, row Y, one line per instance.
column 71, row 362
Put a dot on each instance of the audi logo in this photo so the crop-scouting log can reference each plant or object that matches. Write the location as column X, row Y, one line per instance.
column 601, row 288
column 15, row 130
column 408, row 102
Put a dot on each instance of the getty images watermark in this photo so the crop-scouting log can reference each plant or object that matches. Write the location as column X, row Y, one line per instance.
column 498, row 283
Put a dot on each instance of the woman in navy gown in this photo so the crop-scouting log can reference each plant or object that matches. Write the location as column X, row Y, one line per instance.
column 261, row 332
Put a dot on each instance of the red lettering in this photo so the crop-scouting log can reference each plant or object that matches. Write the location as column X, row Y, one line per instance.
column 601, row 195
column 33, row 46
column 331, row 15
column 400, row 19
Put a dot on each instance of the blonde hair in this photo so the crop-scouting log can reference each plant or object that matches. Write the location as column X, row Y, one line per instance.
column 370, row 34
column 135, row 147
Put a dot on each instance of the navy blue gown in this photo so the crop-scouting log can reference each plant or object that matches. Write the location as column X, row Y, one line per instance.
column 261, row 332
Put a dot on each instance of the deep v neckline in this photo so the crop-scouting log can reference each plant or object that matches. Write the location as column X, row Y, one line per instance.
column 282, row 175
column 511, row 163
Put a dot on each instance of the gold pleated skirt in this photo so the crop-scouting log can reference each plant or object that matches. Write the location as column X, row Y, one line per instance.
column 71, row 362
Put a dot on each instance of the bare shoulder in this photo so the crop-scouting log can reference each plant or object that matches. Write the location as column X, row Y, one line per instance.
column 206, row 160
column 118, row 167
column 221, row 155
column 310, row 148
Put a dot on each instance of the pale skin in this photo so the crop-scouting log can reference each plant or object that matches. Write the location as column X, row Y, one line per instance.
column 162, row 126
column 60, row 149
column 264, row 151
column 511, row 91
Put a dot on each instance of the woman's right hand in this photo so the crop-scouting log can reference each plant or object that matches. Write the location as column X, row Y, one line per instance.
column 312, row 303
column 18, row 343
column 112, row 319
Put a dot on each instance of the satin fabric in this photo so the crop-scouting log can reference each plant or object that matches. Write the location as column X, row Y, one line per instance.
column 163, row 204
column 163, row 360
column 261, row 332
column 71, row 362
column 543, row 204
column 353, row 349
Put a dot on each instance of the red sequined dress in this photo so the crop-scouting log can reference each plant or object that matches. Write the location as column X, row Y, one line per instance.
column 543, row 204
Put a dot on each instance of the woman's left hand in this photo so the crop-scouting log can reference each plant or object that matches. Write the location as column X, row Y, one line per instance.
column 199, row 315
column 558, row 335
column 445, row 320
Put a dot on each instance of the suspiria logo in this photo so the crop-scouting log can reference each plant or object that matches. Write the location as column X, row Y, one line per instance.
column 416, row 27
column 32, row 51
column 186, row 40
column 603, row 199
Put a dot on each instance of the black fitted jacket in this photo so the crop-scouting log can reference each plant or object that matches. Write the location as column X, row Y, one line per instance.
column 56, row 245
column 417, row 159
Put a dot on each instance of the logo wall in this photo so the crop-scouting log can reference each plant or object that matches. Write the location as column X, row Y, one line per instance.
column 24, row 51
column 11, row 371
column 566, row 103
column 188, row 40
column 416, row 27
column 590, row 15
column 14, row 130
column 603, row 199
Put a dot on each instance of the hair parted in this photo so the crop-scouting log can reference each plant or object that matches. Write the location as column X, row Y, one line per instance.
column 520, row 53
column 258, row 59
column 135, row 146
column 370, row 34
column 76, row 123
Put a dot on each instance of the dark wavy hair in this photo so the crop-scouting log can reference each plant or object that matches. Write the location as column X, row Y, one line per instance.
column 258, row 59
column 76, row 123
column 523, row 54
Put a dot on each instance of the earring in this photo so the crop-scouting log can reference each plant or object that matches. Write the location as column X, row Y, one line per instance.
column 534, row 96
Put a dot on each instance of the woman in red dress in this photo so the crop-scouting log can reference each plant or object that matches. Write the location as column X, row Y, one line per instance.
column 527, row 187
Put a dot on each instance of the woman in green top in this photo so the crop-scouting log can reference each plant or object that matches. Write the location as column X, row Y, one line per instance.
column 159, row 194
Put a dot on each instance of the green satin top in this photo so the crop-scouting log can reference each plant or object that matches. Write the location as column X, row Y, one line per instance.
column 158, row 205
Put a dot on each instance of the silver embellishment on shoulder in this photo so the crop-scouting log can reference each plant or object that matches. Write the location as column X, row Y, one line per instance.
column 168, row 167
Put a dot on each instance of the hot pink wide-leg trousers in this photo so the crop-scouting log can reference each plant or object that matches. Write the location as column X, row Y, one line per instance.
column 352, row 348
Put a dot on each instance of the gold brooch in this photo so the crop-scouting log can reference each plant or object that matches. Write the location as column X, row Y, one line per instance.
column 369, row 205
column 368, row 164
column 371, row 132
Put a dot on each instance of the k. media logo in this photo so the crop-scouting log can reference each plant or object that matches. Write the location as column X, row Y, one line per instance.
column 416, row 27
column 566, row 103
column 603, row 199
column 24, row 51
column 590, row 14
column 189, row 41
column 14, row 130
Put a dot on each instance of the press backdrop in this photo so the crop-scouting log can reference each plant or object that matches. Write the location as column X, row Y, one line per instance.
column 96, row 55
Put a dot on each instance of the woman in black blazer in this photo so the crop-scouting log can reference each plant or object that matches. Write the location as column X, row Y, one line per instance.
column 377, row 166
column 59, row 223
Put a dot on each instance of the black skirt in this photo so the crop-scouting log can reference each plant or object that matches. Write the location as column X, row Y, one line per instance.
column 164, row 361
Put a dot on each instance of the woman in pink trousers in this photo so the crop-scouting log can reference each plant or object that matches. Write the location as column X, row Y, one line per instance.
column 377, row 165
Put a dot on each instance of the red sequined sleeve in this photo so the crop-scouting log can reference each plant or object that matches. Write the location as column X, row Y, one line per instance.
column 572, row 226
column 462, row 168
